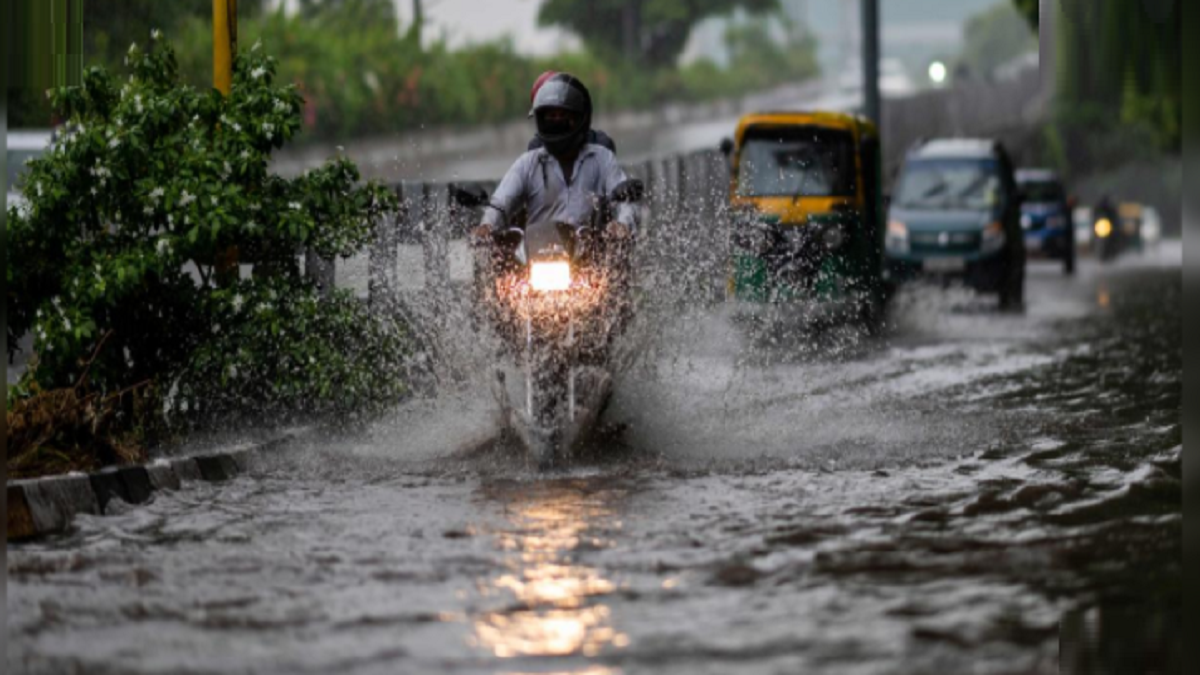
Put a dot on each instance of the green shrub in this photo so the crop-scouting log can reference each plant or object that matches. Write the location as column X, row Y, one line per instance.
column 131, row 209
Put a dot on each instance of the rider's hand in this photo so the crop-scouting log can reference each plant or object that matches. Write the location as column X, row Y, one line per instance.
column 481, row 235
column 617, row 230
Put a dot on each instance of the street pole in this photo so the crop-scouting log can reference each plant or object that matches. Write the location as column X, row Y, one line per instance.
column 870, row 59
column 224, row 43
column 225, row 263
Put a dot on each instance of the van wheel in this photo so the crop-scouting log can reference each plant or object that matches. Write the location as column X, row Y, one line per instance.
column 1012, row 291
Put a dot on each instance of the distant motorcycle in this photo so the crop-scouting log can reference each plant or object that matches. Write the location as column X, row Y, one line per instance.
column 557, row 295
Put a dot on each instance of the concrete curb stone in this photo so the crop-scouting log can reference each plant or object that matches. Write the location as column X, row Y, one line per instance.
column 186, row 469
column 163, row 476
column 218, row 467
column 107, row 484
column 48, row 505
column 20, row 520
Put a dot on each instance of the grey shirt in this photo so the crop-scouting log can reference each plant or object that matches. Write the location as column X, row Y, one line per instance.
column 536, row 181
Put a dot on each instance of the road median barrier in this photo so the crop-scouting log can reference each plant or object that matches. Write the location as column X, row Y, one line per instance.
column 43, row 506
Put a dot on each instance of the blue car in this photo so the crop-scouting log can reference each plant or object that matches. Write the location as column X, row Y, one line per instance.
column 1046, row 217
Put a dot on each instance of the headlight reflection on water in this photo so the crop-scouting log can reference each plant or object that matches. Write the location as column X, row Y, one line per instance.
column 557, row 609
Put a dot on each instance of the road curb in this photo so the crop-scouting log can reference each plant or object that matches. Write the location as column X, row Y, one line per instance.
column 42, row 506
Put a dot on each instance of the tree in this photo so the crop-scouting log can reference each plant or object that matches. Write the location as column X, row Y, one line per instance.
column 1031, row 10
column 1123, row 58
column 646, row 32
column 995, row 37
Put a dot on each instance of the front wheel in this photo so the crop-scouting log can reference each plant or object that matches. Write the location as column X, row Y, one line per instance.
column 549, row 406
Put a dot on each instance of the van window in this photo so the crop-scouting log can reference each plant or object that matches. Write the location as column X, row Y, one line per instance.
column 1043, row 191
column 947, row 184
column 796, row 162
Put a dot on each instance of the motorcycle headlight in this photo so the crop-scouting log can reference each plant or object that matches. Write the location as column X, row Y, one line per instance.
column 550, row 276
column 1104, row 228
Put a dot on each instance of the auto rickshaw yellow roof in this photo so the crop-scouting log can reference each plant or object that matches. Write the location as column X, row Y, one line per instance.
column 820, row 118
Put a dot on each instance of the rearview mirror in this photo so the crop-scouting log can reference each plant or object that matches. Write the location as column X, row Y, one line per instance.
column 632, row 190
column 727, row 146
column 469, row 196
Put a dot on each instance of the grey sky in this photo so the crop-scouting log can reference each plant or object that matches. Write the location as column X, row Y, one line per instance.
column 931, row 24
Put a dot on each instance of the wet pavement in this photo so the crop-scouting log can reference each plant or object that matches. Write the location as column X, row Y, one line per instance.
column 969, row 492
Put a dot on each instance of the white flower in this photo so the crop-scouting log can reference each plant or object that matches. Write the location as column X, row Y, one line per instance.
column 155, row 34
column 114, row 143
column 95, row 192
column 295, row 206
column 280, row 105
column 38, row 187
column 236, row 126
column 258, row 72
column 255, row 207
column 268, row 128
column 257, row 45
column 245, row 154
column 214, row 200
column 157, row 193
column 149, row 210
column 186, row 198
column 66, row 323
column 238, row 302
column 163, row 247
column 132, row 47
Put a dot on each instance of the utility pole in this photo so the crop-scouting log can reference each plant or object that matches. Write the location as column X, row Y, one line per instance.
column 224, row 43
column 224, row 49
column 870, row 59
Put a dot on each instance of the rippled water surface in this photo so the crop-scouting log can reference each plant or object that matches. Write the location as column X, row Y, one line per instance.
column 969, row 493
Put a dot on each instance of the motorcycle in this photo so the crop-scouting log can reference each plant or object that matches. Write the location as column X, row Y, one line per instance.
column 557, row 294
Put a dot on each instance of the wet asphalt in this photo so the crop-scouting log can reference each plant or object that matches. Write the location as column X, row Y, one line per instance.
column 966, row 492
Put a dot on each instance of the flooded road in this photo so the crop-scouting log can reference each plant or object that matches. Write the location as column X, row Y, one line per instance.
column 970, row 492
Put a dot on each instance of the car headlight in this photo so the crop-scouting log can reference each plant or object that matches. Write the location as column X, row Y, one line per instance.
column 993, row 237
column 897, row 237
column 1026, row 221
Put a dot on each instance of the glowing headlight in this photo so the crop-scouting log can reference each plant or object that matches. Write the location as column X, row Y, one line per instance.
column 550, row 276
column 1104, row 228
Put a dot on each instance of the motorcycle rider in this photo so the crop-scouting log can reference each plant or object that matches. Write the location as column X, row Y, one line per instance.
column 595, row 136
column 560, row 181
